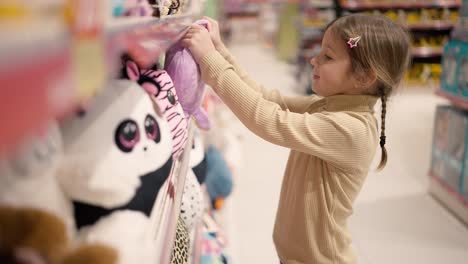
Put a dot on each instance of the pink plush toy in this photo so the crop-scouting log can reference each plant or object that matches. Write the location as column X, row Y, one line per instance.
column 187, row 79
column 159, row 84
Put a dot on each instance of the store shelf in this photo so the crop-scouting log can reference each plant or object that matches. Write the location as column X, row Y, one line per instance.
column 361, row 5
column 166, row 214
column 145, row 38
column 426, row 52
column 319, row 5
column 456, row 101
column 37, row 70
column 241, row 10
column 433, row 25
column 451, row 199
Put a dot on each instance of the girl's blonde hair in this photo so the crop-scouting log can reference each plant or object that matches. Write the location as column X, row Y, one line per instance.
column 383, row 50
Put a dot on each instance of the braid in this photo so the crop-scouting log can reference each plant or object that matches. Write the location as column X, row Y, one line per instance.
column 383, row 160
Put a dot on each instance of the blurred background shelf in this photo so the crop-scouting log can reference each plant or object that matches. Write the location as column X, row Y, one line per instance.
column 449, row 198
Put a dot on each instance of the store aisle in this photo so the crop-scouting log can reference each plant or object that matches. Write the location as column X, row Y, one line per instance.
column 257, row 186
column 395, row 220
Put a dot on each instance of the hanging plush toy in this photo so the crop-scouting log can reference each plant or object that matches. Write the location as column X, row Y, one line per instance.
column 213, row 242
column 127, row 231
column 197, row 157
column 211, row 250
column 118, row 154
column 34, row 236
column 219, row 181
column 28, row 176
column 169, row 7
column 117, row 157
column 159, row 84
column 191, row 208
column 164, row 8
column 186, row 75
column 192, row 205
column 181, row 247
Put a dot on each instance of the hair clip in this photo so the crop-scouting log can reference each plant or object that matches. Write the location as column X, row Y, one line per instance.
column 352, row 42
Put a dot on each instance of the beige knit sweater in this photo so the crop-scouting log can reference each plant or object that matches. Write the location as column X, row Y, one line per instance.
column 333, row 141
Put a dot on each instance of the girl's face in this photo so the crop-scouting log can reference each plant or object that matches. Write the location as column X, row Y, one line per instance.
column 332, row 68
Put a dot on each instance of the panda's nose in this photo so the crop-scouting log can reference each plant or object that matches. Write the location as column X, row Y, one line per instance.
column 145, row 148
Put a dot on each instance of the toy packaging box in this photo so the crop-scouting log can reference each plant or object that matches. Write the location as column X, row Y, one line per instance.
column 449, row 77
column 449, row 151
column 454, row 78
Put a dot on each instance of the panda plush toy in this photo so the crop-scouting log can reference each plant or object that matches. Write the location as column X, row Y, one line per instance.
column 118, row 154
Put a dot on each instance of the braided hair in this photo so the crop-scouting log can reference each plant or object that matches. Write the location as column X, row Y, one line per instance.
column 384, row 49
column 383, row 159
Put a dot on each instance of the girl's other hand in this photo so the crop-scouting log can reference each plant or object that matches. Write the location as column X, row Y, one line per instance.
column 198, row 41
column 215, row 34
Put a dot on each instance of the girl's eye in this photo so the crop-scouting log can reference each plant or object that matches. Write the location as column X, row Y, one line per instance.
column 152, row 129
column 127, row 135
column 327, row 57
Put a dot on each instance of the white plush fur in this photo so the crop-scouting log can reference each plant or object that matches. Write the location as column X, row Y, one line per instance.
column 127, row 232
column 28, row 176
column 191, row 209
column 197, row 153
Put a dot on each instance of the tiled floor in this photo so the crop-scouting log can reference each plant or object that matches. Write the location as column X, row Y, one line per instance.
column 395, row 220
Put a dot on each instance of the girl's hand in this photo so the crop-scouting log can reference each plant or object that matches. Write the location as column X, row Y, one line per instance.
column 214, row 32
column 198, row 41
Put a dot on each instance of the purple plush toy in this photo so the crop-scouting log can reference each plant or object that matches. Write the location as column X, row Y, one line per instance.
column 186, row 75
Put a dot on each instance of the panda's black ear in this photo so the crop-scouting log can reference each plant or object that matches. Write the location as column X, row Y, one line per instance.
column 156, row 67
column 123, row 71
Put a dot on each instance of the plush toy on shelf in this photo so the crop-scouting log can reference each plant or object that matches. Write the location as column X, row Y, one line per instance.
column 29, row 176
column 219, row 182
column 130, row 157
column 181, row 248
column 126, row 231
column 172, row 7
column 160, row 85
column 186, row 75
column 118, row 154
column 32, row 236
column 197, row 157
column 226, row 136
column 191, row 208
column 167, row 7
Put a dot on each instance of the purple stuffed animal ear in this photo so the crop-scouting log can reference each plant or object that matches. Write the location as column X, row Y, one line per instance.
column 133, row 71
column 202, row 119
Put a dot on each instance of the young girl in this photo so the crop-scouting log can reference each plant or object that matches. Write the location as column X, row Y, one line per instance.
column 333, row 137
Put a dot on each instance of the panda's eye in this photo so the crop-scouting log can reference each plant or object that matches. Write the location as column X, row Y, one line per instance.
column 152, row 129
column 127, row 135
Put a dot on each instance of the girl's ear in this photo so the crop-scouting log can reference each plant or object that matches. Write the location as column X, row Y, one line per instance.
column 366, row 80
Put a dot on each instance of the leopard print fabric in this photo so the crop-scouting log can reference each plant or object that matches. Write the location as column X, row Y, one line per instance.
column 180, row 250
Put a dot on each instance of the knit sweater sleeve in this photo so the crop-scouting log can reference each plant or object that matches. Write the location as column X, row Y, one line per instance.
column 333, row 137
column 297, row 104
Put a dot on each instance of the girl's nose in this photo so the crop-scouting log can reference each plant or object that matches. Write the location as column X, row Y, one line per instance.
column 313, row 61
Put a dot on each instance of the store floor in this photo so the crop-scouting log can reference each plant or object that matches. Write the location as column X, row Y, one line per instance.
column 395, row 220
